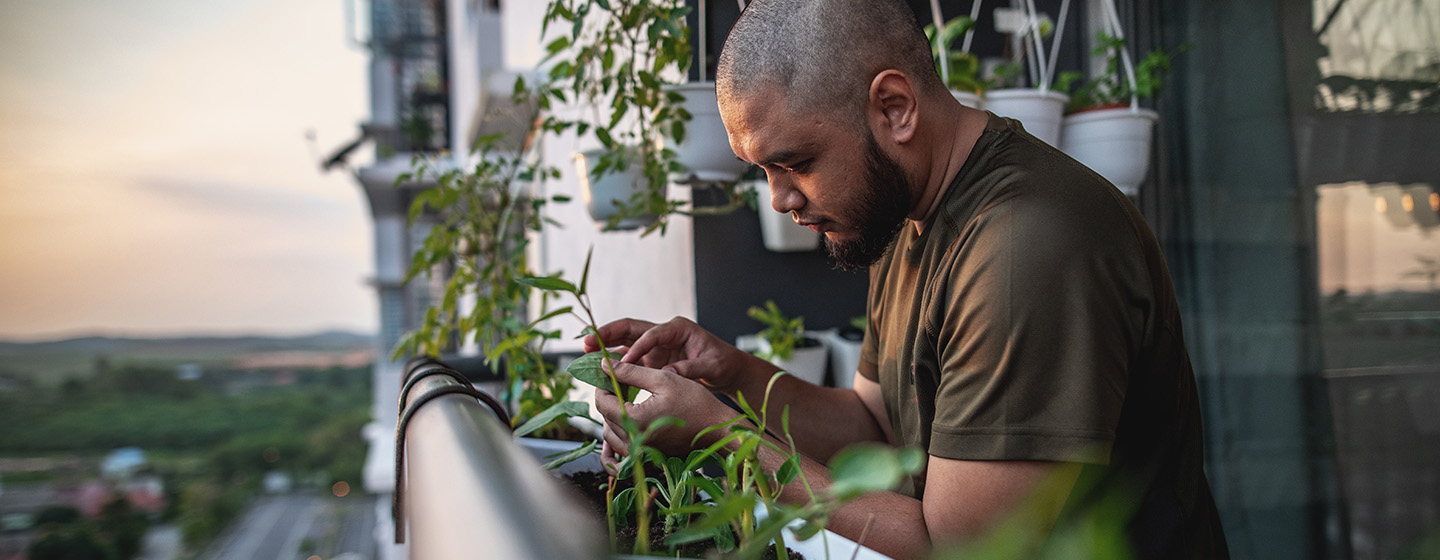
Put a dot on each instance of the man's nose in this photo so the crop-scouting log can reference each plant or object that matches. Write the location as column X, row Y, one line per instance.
column 784, row 197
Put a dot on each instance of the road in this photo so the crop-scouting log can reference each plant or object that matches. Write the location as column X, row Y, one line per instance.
column 296, row 527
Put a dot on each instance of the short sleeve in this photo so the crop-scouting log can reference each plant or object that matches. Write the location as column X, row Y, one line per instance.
column 869, row 366
column 1035, row 326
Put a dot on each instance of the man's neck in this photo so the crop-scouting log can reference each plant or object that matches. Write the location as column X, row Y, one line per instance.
column 964, row 129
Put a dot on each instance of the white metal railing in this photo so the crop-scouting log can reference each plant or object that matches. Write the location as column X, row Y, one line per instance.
column 466, row 489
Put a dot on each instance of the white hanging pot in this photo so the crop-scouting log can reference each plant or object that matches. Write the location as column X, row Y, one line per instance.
column 1113, row 142
column 1040, row 112
column 969, row 99
column 779, row 232
column 600, row 195
column 706, row 152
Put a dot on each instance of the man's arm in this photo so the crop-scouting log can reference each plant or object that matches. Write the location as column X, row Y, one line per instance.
column 963, row 499
column 823, row 420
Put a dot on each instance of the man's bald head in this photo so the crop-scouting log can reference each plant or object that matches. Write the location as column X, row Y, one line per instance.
column 823, row 54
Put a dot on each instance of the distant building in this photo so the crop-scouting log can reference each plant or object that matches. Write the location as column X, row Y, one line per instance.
column 123, row 463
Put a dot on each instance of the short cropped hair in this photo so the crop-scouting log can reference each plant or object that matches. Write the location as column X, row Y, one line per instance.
column 823, row 54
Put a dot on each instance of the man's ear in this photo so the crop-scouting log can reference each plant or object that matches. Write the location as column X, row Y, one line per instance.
column 894, row 110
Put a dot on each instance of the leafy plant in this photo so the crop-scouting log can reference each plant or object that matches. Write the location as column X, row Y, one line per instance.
column 1112, row 86
column 781, row 333
column 484, row 218
column 617, row 55
column 962, row 69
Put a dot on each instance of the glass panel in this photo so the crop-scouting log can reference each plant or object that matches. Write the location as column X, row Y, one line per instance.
column 1379, row 272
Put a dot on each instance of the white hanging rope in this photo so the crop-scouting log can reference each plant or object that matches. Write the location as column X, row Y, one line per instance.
column 702, row 40
column 1113, row 17
column 1037, row 68
column 1055, row 42
column 974, row 17
column 940, row 49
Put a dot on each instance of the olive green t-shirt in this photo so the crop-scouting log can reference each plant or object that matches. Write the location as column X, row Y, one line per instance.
column 1033, row 318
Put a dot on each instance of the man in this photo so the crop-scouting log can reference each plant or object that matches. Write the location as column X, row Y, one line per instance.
column 1022, row 325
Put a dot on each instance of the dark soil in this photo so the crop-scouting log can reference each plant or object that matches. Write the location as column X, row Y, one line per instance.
column 591, row 486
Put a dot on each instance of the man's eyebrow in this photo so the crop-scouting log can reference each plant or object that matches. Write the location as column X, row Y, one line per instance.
column 779, row 158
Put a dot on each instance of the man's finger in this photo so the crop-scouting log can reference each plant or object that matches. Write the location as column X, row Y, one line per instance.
column 668, row 334
column 620, row 332
column 636, row 375
column 616, row 441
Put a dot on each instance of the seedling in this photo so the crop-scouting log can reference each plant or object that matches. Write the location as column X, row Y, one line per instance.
column 782, row 333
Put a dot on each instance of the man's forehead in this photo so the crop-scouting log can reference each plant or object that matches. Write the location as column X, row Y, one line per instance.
column 763, row 128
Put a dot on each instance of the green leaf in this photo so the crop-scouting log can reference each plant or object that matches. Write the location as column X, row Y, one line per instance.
column 585, row 275
column 807, row 530
column 572, row 455
column 866, row 468
column 551, row 315
column 789, row 470
column 589, row 369
column 564, row 409
column 547, row 283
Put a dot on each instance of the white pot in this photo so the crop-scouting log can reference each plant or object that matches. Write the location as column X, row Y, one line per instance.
column 969, row 99
column 844, row 358
column 1113, row 142
column 706, row 150
column 806, row 363
column 779, row 232
column 1040, row 112
column 600, row 195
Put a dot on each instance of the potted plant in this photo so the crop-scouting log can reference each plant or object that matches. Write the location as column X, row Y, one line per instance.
column 1106, row 128
column 779, row 232
column 484, row 214
column 959, row 69
column 704, row 151
column 785, row 343
column 1038, row 108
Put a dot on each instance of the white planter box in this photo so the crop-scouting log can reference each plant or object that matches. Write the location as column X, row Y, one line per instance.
column 968, row 99
column 1039, row 111
column 844, row 358
column 1113, row 142
column 813, row 548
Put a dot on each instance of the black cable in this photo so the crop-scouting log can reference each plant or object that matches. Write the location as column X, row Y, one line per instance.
column 397, row 498
column 441, row 369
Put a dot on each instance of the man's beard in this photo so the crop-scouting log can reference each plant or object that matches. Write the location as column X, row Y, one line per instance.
column 879, row 212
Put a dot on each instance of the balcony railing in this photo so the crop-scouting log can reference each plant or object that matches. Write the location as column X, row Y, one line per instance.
column 467, row 490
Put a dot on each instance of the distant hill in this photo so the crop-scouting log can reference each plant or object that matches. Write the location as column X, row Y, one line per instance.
column 199, row 345
column 52, row 362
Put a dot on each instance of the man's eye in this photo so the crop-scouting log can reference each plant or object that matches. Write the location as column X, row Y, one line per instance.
column 800, row 167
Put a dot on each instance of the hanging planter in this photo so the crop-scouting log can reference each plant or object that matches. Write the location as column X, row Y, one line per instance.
column 1039, row 109
column 1113, row 142
column 779, row 232
column 1107, row 130
column 705, row 151
column 605, row 197
column 1041, row 112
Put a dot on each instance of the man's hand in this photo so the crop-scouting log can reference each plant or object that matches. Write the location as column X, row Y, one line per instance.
column 670, row 395
column 681, row 346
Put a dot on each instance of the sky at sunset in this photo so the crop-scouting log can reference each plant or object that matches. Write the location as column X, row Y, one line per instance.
column 155, row 177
